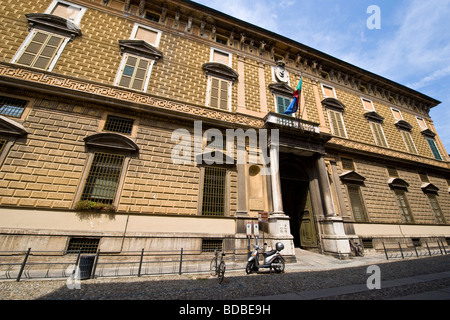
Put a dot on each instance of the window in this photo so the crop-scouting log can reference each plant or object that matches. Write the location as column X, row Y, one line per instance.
column 392, row 171
column 66, row 10
column 147, row 34
column 423, row 176
column 118, row 124
column 135, row 72
column 347, row 164
column 409, row 143
column 282, row 103
column 356, row 202
column 337, row 123
column 11, row 106
column 220, row 56
column 211, row 245
column 367, row 104
column 86, row 245
column 397, row 114
column 221, row 39
column 422, row 123
column 214, row 195
column 41, row 50
column 378, row 134
column 434, row 149
column 328, row 91
column 219, row 93
column 151, row 16
column 103, row 179
column 436, row 208
column 402, row 202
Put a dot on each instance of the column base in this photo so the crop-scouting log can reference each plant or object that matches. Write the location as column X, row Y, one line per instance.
column 334, row 240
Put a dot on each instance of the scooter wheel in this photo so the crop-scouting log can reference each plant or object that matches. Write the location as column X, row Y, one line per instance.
column 279, row 265
column 249, row 267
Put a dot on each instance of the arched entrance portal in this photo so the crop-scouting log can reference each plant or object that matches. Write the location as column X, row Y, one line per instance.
column 297, row 203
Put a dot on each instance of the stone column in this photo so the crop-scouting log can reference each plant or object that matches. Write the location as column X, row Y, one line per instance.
column 242, row 191
column 325, row 188
column 275, row 178
column 333, row 238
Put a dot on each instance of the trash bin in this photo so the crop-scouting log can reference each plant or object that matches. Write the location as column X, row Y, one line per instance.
column 85, row 267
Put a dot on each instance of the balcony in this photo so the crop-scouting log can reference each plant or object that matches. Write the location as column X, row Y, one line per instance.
column 282, row 121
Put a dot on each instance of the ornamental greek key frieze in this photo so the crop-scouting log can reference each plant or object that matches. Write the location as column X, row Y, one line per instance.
column 146, row 100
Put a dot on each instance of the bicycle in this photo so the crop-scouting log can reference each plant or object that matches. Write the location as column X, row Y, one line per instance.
column 218, row 266
column 356, row 248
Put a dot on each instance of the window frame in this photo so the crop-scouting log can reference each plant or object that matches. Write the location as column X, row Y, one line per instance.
column 285, row 98
column 419, row 120
column 393, row 113
column 368, row 100
column 429, row 141
column 27, row 42
column 122, row 67
column 226, row 196
column 341, row 117
column 137, row 26
column 211, row 56
column 209, row 92
column 357, row 189
column 405, row 134
column 439, row 217
column 80, row 15
column 331, row 87
column 371, row 125
column 404, row 217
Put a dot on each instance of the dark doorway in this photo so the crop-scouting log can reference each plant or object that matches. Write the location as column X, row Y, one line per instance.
column 297, row 205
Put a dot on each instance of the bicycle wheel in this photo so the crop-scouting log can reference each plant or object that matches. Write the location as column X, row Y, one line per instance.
column 213, row 266
column 221, row 271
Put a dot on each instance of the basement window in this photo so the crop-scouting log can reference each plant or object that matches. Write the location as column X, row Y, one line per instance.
column 210, row 245
column 86, row 245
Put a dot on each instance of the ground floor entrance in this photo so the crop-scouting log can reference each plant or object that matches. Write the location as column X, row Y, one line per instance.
column 296, row 199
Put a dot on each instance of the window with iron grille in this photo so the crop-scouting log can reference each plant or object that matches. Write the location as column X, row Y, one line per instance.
column 11, row 106
column 356, row 202
column 210, row 245
column 436, row 208
column 118, row 124
column 403, row 205
column 86, row 245
column 103, row 179
column 347, row 164
column 214, row 186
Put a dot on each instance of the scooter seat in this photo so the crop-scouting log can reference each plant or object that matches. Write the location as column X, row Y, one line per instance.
column 269, row 253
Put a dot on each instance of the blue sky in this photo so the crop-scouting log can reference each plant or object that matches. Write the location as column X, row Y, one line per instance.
column 412, row 47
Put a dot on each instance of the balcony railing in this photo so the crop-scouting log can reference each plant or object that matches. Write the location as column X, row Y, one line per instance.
column 291, row 122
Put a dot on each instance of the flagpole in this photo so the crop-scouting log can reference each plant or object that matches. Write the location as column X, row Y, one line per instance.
column 300, row 98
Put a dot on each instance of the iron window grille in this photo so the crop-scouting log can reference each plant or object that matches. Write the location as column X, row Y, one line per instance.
column 214, row 185
column 210, row 245
column 118, row 124
column 86, row 245
column 103, row 179
column 11, row 106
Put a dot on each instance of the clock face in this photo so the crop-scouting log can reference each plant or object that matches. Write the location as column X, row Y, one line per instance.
column 281, row 73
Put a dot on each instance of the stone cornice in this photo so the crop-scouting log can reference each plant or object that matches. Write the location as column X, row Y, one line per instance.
column 373, row 151
column 203, row 23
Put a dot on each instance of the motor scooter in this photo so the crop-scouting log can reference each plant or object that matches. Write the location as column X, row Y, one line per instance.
column 272, row 259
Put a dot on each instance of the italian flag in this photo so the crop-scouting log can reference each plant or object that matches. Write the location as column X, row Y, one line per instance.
column 293, row 107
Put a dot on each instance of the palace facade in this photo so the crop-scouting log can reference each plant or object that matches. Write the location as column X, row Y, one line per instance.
column 97, row 99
